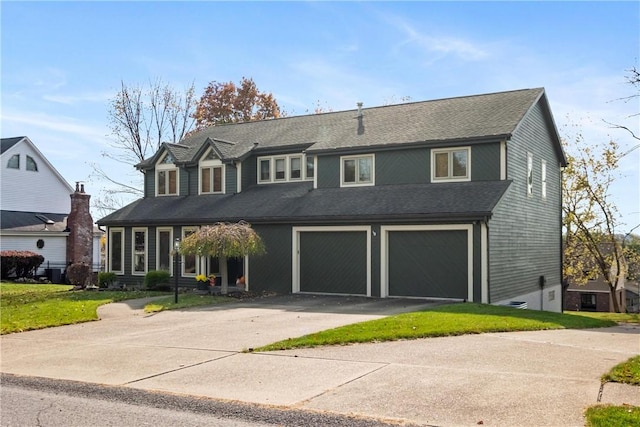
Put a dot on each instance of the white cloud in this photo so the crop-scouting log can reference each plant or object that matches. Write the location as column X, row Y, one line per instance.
column 80, row 98
column 442, row 45
column 62, row 124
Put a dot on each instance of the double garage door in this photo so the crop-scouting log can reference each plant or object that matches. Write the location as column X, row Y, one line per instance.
column 413, row 262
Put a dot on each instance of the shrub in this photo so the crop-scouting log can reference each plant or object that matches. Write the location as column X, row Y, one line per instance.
column 106, row 279
column 157, row 280
column 19, row 263
column 78, row 274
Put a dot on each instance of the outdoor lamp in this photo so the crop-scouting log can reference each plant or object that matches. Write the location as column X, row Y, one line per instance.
column 176, row 267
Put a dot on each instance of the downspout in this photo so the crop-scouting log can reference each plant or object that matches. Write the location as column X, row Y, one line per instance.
column 563, row 281
column 486, row 224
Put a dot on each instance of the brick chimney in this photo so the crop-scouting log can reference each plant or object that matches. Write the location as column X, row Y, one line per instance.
column 80, row 224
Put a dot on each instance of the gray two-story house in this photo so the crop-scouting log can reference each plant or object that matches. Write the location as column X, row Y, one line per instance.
column 455, row 198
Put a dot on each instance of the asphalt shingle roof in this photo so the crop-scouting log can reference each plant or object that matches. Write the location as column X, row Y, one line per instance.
column 299, row 202
column 31, row 221
column 7, row 143
column 494, row 115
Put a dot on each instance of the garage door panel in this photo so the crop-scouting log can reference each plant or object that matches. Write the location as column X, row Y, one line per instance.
column 428, row 263
column 333, row 262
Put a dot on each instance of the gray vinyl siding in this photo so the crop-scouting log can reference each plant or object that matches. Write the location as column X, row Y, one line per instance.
column 272, row 271
column 524, row 232
column 150, row 183
column 328, row 171
column 249, row 172
column 230, row 179
column 403, row 167
column 189, row 181
column 485, row 162
column 477, row 263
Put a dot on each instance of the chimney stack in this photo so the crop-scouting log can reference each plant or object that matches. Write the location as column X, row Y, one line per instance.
column 80, row 224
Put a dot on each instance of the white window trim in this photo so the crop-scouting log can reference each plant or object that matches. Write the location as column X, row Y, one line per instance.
column 167, row 167
column 529, row 174
column 171, row 242
column 211, row 164
column 449, row 151
column 110, row 247
column 358, row 184
column 543, row 178
column 182, row 264
column 133, row 251
column 287, row 168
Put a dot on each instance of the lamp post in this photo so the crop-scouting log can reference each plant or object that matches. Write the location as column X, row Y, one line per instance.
column 176, row 267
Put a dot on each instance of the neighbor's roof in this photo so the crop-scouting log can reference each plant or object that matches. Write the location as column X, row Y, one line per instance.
column 7, row 143
column 492, row 116
column 32, row 221
column 299, row 202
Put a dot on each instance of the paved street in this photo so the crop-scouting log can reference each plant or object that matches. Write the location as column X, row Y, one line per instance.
column 506, row 379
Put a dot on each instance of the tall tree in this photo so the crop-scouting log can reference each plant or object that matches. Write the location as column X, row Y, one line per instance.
column 227, row 103
column 140, row 119
column 593, row 244
column 222, row 241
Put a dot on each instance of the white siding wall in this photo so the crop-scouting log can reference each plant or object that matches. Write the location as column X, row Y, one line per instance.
column 54, row 250
column 28, row 191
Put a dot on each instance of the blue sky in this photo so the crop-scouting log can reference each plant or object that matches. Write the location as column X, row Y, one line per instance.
column 63, row 61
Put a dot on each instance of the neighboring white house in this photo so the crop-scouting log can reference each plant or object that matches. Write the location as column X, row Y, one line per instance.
column 35, row 203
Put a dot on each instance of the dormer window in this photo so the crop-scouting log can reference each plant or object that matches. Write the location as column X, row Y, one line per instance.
column 14, row 162
column 167, row 177
column 211, row 174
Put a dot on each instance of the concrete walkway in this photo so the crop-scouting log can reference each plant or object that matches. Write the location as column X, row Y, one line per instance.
column 503, row 379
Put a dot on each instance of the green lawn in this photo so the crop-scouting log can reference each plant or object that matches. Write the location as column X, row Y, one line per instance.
column 25, row 307
column 612, row 416
column 446, row 320
column 626, row 372
column 184, row 301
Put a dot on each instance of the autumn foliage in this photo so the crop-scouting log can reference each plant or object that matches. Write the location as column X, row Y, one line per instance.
column 227, row 103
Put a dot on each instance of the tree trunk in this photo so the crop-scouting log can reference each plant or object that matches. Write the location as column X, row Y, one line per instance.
column 224, row 279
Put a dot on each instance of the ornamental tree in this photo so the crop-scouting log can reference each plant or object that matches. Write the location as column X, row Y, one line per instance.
column 223, row 240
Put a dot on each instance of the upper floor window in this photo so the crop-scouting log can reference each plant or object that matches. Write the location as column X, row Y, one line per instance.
column 31, row 164
column 529, row 174
column 285, row 168
column 357, row 170
column 211, row 174
column 14, row 162
column 167, row 177
column 450, row 164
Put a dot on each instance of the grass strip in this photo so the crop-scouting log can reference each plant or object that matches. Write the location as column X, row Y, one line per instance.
column 445, row 320
column 612, row 416
column 28, row 307
column 627, row 372
column 184, row 301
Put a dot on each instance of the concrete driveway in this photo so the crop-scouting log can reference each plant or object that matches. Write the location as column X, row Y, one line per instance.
column 527, row 378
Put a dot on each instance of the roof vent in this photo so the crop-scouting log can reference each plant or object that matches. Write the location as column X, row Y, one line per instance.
column 359, row 104
column 360, row 123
